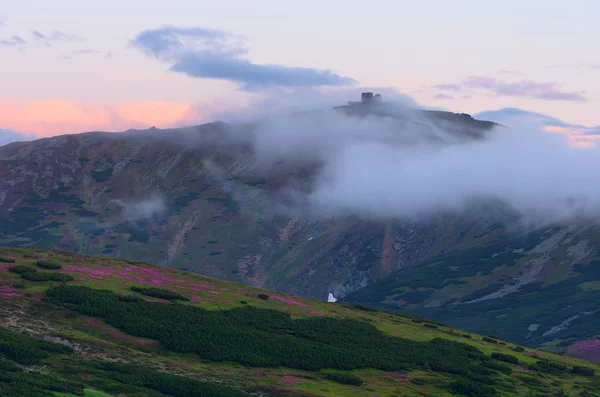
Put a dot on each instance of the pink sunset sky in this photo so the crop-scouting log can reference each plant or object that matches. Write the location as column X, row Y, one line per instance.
column 72, row 66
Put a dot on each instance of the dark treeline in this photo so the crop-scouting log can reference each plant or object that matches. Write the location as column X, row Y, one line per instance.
column 49, row 265
column 31, row 273
column 137, row 381
column 27, row 350
column 160, row 293
column 267, row 338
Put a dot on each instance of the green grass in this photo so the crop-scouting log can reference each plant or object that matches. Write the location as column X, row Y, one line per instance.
column 88, row 393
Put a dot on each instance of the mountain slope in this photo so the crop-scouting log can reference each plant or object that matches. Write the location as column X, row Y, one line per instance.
column 152, row 331
column 538, row 290
column 204, row 199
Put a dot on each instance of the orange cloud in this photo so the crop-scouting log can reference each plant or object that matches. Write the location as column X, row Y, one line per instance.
column 575, row 135
column 49, row 117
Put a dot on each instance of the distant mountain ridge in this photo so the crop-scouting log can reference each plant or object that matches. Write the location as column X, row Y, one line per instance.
column 195, row 198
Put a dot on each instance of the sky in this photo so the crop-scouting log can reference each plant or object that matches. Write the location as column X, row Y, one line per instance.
column 72, row 66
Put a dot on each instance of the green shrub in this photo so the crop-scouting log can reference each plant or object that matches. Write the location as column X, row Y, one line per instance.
column 27, row 350
column 129, row 298
column 6, row 259
column 548, row 366
column 344, row 379
column 507, row 358
column 365, row 308
column 160, row 293
column 472, row 389
column 267, row 338
column 497, row 338
column 127, row 379
column 468, row 336
column 264, row 297
column 47, row 276
column 49, row 265
column 427, row 325
column 519, row 349
column 489, row 340
column 22, row 269
column 498, row 366
column 584, row 371
column 18, row 285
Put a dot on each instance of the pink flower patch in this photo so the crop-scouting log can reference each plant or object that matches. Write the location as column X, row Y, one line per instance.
column 288, row 300
column 587, row 349
column 317, row 313
column 290, row 380
column 9, row 292
column 398, row 377
column 214, row 292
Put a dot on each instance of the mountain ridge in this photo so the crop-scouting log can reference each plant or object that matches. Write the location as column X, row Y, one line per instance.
column 118, row 194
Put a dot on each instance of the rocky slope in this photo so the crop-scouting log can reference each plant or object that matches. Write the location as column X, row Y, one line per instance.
column 539, row 289
column 203, row 199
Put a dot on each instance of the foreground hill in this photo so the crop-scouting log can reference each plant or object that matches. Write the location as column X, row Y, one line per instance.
column 73, row 324
column 205, row 199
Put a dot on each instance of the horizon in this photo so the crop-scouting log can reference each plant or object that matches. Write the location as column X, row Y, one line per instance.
column 177, row 65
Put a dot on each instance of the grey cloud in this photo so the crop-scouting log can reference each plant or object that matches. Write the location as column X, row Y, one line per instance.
column 524, row 88
column 214, row 54
column 55, row 36
column 417, row 176
column 13, row 41
column 143, row 208
column 443, row 96
column 448, row 87
column 82, row 51
column 2, row 20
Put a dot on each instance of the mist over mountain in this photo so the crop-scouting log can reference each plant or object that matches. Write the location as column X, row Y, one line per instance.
column 346, row 200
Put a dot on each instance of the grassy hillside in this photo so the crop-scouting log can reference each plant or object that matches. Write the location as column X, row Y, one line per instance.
column 80, row 325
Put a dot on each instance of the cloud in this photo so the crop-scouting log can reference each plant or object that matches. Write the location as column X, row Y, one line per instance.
column 49, row 117
column 81, row 51
column 448, row 87
column 55, row 36
column 141, row 209
column 409, row 169
column 276, row 101
column 2, row 20
column 578, row 135
column 134, row 75
column 443, row 96
column 8, row 136
column 525, row 88
column 512, row 72
column 13, row 41
column 215, row 54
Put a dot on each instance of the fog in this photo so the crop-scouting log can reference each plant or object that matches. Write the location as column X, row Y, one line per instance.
column 381, row 167
column 141, row 209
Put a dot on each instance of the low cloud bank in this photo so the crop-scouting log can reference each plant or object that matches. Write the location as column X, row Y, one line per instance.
column 409, row 166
